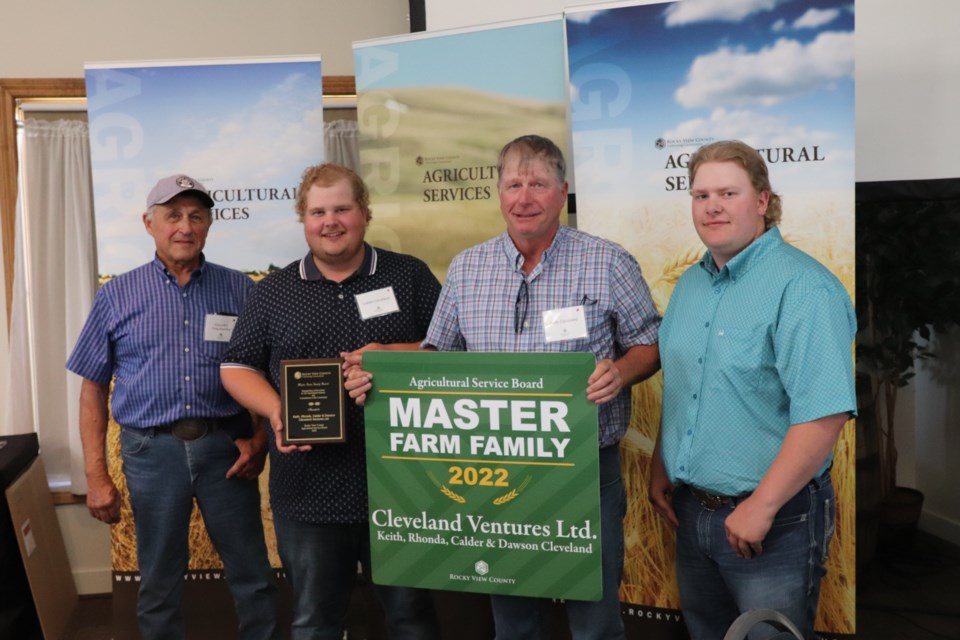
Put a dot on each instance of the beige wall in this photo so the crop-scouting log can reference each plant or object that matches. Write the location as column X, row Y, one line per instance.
column 54, row 38
column 88, row 548
column 907, row 57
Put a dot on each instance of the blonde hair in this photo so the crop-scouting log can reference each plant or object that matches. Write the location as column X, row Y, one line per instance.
column 750, row 161
column 327, row 175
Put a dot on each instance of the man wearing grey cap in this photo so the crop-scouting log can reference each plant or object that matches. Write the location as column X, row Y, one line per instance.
column 159, row 332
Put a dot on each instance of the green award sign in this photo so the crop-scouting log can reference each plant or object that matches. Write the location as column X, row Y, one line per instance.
column 483, row 473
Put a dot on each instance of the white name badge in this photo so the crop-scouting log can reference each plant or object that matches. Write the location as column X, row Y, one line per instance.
column 374, row 304
column 218, row 328
column 569, row 323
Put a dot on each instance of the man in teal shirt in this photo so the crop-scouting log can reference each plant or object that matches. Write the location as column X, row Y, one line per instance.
column 757, row 385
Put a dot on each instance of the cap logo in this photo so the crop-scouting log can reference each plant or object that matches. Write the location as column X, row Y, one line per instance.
column 185, row 183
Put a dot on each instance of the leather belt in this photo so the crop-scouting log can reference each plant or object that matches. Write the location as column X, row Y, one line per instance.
column 711, row 501
column 188, row 429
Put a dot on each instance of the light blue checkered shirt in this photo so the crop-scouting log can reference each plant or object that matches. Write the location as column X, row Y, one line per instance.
column 148, row 332
column 746, row 353
column 476, row 307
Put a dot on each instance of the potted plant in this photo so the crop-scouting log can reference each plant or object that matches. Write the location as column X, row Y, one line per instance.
column 908, row 289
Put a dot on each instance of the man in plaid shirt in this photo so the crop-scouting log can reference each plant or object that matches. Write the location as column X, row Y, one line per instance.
column 542, row 286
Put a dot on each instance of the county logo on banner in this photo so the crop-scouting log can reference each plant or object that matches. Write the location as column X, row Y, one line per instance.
column 483, row 473
column 649, row 85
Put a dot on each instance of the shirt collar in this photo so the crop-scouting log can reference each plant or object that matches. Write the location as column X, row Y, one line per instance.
column 162, row 268
column 516, row 259
column 749, row 256
column 309, row 270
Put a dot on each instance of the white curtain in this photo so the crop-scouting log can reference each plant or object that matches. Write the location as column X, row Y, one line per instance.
column 54, row 284
column 341, row 141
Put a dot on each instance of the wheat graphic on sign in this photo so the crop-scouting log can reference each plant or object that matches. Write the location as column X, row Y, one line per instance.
column 445, row 491
column 513, row 493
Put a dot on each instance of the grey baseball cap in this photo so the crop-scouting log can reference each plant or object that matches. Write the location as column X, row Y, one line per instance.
column 172, row 186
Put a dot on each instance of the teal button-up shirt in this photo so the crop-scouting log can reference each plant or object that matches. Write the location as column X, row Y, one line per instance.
column 747, row 351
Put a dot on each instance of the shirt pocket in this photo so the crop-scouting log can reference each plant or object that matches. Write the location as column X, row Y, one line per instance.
column 738, row 358
column 213, row 349
column 598, row 327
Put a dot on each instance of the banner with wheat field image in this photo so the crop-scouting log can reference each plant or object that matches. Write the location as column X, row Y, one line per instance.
column 483, row 473
column 246, row 132
column 649, row 84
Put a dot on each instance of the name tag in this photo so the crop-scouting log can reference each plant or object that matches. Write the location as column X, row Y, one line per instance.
column 569, row 323
column 374, row 304
column 218, row 328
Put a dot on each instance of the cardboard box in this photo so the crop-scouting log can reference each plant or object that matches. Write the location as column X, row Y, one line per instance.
column 41, row 547
column 16, row 454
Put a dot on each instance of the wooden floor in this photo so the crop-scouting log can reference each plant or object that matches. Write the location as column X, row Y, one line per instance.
column 914, row 595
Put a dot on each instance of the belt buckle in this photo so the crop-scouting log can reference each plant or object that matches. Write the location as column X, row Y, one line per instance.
column 708, row 501
column 188, row 429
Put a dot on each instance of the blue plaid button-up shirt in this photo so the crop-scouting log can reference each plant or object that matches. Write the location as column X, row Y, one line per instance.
column 478, row 305
column 147, row 331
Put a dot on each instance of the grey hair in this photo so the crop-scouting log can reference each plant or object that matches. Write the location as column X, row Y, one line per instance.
column 534, row 146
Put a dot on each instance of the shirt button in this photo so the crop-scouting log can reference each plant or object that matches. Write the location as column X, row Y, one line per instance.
column 340, row 296
column 187, row 407
column 706, row 324
column 689, row 432
column 682, row 468
column 184, row 294
column 186, row 322
column 526, row 323
column 694, row 396
column 716, row 289
column 186, row 349
column 699, row 360
column 187, row 378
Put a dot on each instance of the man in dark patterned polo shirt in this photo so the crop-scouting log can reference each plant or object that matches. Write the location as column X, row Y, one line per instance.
column 310, row 309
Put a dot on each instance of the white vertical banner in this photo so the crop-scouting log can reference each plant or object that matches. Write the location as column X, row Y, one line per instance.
column 246, row 129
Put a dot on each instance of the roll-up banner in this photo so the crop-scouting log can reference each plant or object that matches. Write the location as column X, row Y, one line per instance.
column 650, row 84
column 246, row 129
column 434, row 110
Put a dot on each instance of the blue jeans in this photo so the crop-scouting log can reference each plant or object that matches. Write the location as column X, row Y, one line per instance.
column 164, row 475
column 520, row 618
column 320, row 561
column 716, row 586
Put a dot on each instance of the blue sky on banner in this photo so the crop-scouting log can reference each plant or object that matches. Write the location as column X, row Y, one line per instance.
column 774, row 73
column 233, row 125
column 241, row 113
column 486, row 59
